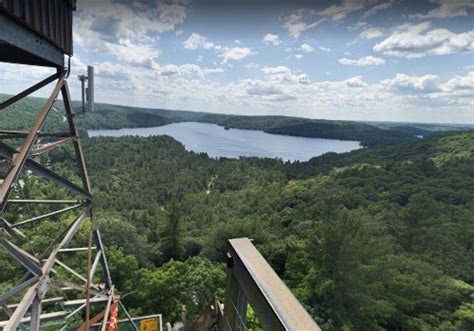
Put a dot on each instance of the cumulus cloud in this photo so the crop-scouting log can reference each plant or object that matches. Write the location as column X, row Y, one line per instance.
column 276, row 70
column 196, row 41
column 265, row 90
column 406, row 83
column 371, row 33
column 448, row 8
column 463, row 83
column 126, row 31
column 363, row 61
column 412, row 41
column 272, row 39
column 126, row 50
column 337, row 13
column 298, row 56
column 235, row 54
column 188, row 69
column 306, row 48
column 356, row 82
column 324, row 49
column 284, row 74
column 379, row 7
column 301, row 20
column 113, row 20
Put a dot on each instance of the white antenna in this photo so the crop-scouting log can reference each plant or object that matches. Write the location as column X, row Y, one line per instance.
column 87, row 92
column 90, row 88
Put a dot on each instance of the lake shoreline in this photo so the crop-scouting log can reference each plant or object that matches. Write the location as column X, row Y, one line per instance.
column 216, row 141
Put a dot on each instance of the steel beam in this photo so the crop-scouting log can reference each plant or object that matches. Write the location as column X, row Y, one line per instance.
column 103, row 260
column 43, row 317
column 45, row 201
column 130, row 317
column 20, row 158
column 40, row 287
column 44, row 302
column 42, row 217
column 17, row 289
column 28, row 91
column 35, row 314
column 107, row 309
column 77, row 143
column 21, row 256
column 8, row 153
column 12, row 134
column 49, row 147
column 75, row 273
column 4, row 224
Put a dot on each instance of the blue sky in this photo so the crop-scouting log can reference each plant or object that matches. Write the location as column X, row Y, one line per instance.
column 357, row 60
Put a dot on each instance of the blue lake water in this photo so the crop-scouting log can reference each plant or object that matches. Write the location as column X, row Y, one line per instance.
column 218, row 142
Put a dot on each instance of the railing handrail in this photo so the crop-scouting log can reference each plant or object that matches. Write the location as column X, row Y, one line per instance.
column 274, row 304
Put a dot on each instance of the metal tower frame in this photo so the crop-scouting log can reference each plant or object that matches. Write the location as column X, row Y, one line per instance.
column 37, row 280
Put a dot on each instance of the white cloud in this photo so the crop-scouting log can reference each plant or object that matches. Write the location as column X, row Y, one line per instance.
column 378, row 7
column 457, row 83
column 371, row 33
column 298, row 56
column 284, row 74
column 306, row 48
column 409, row 41
column 272, row 39
column 129, row 52
column 113, row 20
column 324, row 49
column 265, row 91
column 296, row 23
column 235, row 54
column 448, row 8
column 363, row 61
column 355, row 82
column 169, row 70
column 276, row 70
column 126, row 32
column 196, row 41
column 337, row 13
column 406, row 83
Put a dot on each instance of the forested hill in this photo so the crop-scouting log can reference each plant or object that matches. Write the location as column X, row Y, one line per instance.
column 384, row 240
column 379, row 238
column 368, row 135
column 117, row 117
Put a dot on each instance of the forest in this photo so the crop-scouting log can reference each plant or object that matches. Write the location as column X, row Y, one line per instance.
column 381, row 238
column 350, row 241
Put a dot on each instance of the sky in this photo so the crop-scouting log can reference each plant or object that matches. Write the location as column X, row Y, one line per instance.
column 387, row 60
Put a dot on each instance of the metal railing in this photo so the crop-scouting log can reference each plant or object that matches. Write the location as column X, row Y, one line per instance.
column 252, row 281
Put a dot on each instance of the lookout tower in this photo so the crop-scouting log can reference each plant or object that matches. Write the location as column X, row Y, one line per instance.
column 39, row 33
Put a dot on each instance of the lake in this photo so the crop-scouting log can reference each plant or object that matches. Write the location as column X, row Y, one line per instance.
column 218, row 142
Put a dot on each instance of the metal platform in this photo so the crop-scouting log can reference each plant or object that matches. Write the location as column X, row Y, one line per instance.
column 36, row 32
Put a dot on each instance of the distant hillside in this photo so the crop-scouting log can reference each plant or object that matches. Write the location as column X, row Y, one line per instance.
column 378, row 239
column 368, row 135
column 108, row 116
